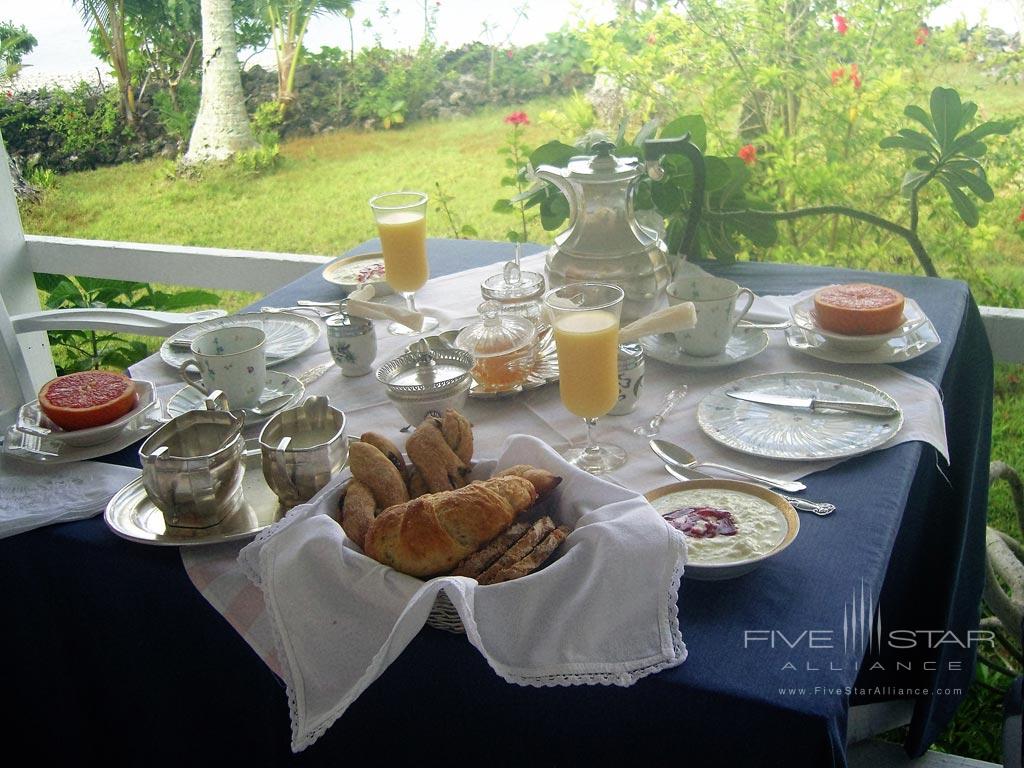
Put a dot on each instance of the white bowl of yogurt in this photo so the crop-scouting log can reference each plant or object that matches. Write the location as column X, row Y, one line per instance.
column 731, row 527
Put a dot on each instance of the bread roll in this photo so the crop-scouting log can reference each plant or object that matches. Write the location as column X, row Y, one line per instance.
column 358, row 509
column 372, row 468
column 430, row 535
column 542, row 480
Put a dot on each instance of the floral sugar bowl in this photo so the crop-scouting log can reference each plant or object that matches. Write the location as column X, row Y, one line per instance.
column 353, row 343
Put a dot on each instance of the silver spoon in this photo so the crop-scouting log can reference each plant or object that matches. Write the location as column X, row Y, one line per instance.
column 680, row 457
column 653, row 427
column 819, row 508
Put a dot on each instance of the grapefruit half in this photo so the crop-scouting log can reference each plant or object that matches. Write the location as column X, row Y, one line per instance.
column 87, row 399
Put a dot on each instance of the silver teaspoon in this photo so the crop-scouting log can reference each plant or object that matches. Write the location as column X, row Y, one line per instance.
column 678, row 456
column 653, row 427
column 819, row 508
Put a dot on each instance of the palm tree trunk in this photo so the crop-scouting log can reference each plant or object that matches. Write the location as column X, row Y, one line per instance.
column 222, row 125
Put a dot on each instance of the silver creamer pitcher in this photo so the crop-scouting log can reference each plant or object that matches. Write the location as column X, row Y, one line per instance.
column 605, row 242
column 192, row 467
column 302, row 448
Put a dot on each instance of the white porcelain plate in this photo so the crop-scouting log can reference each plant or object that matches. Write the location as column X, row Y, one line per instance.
column 288, row 335
column 744, row 344
column 797, row 434
column 191, row 399
column 804, row 317
column 899, row 349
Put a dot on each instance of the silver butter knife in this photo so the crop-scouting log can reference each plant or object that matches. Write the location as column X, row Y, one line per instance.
column 814, row 404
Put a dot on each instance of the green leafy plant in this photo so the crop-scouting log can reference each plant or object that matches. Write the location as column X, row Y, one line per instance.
column 515, row 152
column 82, row 350
column 443, row 206
column 732, row 217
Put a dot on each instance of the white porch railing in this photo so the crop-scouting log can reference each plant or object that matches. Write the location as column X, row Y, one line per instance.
column 218, row 268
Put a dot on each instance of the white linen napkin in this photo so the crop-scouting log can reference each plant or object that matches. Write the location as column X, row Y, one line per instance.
column 616, row 622
column 33, row 495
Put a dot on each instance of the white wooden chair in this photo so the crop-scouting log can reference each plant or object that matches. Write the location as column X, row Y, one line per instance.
column 25, row 358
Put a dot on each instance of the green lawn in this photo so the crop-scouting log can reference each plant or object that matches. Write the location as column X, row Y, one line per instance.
column 315, row 202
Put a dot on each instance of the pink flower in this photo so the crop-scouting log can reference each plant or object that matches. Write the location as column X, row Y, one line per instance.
column 838, row 74
column 1020, row 217
column 922, row 36
column 508, row 53
column 855, row 76
column 842, row 24
column 517, row 118
column 748, row 154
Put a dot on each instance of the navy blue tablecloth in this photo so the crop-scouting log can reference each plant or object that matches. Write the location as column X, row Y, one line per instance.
column 114, row 654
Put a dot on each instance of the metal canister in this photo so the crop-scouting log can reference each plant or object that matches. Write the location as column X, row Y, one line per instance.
column 631, row 379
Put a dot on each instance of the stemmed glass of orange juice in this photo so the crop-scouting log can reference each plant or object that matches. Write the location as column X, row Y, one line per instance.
column 402, row 223
column 585, row 318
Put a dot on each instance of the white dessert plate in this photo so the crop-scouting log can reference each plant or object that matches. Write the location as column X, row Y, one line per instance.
column 31, row 419
column 745, row 343
column 191, row 399
column 804, row 317
column 353, row 272
column 695, row 569
column 899, row 349
column 288, row 335
column 797, row 434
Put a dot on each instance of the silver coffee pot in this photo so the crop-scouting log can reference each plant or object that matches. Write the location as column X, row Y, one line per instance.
column 605, row 242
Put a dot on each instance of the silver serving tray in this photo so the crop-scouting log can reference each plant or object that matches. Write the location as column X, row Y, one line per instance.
column 545, row 366
column 131, row 514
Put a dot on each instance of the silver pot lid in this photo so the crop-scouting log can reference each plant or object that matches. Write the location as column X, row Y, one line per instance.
column 426, row 371
column 603, row 165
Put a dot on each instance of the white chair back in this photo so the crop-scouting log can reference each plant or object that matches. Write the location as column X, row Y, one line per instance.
column 25, row 360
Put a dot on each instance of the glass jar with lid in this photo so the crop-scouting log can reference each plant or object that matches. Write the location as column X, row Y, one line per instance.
column 503, row 348
column 516, row 292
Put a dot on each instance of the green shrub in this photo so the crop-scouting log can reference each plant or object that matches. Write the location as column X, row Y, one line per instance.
column 86, row 121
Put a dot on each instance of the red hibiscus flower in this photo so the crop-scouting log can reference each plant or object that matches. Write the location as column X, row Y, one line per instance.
column 517, row 118
column 748, row 154
column 922, row 36
column 855, row 76
column 509, row 54
column 842, row 24
column 1020, row 217
column 838, row 74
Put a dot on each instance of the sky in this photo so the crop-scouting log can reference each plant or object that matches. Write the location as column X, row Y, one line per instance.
column 63, row 47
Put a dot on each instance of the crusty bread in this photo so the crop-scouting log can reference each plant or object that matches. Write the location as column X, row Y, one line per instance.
column 358, row 509
column 431, row 534
column 858, row 309
column 535, row 559
column 481, row 560
column 542, row 480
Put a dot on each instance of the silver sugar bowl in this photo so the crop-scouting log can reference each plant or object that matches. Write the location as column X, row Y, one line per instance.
column 427, row 381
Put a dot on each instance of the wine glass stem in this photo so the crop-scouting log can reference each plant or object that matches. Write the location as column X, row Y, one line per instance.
column 592, row 446
column 410, row 301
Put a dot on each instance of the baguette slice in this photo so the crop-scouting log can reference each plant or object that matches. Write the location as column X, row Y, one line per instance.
column 519, row 550
column 535, row 559
column 480, row 560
